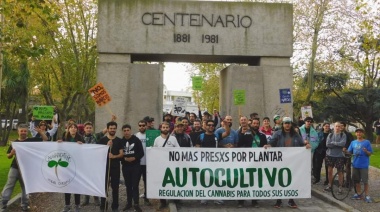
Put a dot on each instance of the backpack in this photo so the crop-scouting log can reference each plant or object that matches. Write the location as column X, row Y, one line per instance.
column 202, row 136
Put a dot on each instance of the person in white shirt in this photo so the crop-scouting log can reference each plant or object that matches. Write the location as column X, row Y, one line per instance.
column 165, row 140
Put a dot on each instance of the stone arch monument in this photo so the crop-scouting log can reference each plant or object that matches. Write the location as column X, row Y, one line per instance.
column 257, row 34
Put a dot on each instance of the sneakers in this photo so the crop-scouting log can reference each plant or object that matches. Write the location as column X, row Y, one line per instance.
column 67, row 208
column 316, row 181
column 327, row 189
column 25, row 208
column 77, row 208
column 219, row 202
column 356, row 197
column 368, row 199
column 278, row 204
column 340, row 190
column 292, row 204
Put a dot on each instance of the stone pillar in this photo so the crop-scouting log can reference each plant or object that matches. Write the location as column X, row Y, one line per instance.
column 261, row 83
column 135, row 89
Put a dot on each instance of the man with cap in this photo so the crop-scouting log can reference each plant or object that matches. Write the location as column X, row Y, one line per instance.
column 149, row 123
column 310, row 135
column 361, row 149
column 277, row 122
column 286, row 137
column 183, row 139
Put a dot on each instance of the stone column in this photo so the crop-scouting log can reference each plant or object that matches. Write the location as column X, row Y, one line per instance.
column 261, row 83
column 136, row 91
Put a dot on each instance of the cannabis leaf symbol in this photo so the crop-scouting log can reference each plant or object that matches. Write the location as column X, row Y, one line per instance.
column 55, row 164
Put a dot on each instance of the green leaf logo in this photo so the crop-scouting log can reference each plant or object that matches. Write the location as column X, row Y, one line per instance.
column 55, row 164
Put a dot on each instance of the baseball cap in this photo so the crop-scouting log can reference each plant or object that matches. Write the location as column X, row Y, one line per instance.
column 286, row 119
column 148, row 119
column 178, row 123
column 359, row 129
column 276, row 117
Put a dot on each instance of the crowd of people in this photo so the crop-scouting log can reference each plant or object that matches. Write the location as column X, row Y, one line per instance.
column 127, row 155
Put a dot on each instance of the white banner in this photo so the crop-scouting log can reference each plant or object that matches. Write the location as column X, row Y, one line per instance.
column 306, row 111
column 236, row 173
column 179, row 106
column 62, row 167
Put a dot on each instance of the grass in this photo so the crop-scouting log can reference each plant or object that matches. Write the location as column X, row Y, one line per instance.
column 5, row 164
column 375, row 157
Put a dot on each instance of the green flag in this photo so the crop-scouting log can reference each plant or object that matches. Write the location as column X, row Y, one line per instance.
column 197, row 83
column 239, row 97
column 151, row 135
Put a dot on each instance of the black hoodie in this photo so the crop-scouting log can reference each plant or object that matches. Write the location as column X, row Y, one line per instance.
column 132, row 147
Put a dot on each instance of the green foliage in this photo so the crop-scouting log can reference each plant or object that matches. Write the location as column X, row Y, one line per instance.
column 374, row 160
column 59, row 40
column 208, row 98
column 5, row 163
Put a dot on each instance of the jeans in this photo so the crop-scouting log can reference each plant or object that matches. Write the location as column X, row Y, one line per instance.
column 114, row 180
column 131, row 175
column 13, row 176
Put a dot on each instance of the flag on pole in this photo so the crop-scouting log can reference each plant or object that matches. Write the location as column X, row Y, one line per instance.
column 62, row 167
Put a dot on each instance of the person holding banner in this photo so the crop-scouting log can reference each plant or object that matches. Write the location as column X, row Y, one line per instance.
column 286, row 137
column 142, row 136
column 209, row 139
column 250, row 137
column 14, row 174
column 72, row 135
column 165, row 140
column 133, row 152
column 90, row 138
column 113, row 165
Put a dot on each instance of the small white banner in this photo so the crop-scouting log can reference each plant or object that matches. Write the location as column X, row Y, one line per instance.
column 306, row 111
column 62, row 167
column 179, row 106
column 229, row 174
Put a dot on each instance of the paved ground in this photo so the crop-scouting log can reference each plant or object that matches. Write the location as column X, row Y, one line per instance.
column 312, row 204
column 320, row 201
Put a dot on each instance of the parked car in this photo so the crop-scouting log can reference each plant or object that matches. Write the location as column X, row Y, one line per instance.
column 14, row 124
column 7, row 125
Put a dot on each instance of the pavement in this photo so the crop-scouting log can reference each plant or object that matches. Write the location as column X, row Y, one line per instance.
column 320, row 201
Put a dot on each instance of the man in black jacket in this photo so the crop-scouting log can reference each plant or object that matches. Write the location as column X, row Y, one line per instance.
column 250, row 137
column 133, row 152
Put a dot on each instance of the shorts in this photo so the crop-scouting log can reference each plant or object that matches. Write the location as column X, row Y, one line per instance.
column 360, row 174
column 337, row 162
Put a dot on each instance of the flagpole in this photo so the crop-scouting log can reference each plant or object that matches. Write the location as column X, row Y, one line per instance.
column 108, row 179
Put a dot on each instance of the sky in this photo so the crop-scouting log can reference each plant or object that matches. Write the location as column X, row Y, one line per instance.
column 175, row 76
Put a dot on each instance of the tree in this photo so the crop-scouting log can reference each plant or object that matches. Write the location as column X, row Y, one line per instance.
column 58, row 41
column 208, row 98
